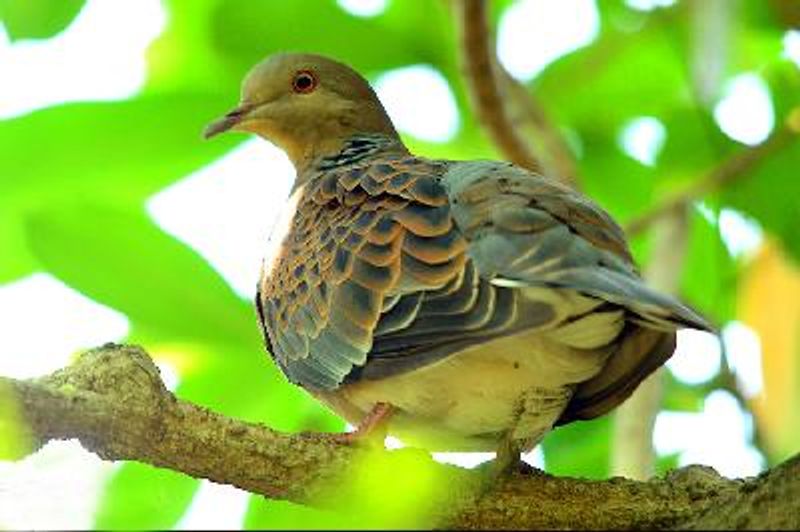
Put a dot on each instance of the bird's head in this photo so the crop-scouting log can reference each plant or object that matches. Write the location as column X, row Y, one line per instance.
column 306, row 104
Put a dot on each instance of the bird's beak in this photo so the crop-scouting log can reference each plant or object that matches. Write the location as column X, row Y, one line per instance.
column 227, row 122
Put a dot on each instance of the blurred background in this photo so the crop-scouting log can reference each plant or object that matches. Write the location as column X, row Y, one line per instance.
column 118, row 223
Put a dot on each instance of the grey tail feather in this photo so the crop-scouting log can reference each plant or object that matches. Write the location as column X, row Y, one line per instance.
column 642, row 351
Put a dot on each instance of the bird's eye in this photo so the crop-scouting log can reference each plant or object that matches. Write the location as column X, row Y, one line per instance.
column 304, row 82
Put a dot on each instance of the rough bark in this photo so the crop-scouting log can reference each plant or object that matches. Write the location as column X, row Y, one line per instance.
column 112, row 399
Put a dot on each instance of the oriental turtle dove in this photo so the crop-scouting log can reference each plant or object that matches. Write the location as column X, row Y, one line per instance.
column 483, row 304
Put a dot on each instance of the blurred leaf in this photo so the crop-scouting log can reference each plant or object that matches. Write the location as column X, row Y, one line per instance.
column 769, row 302
column 16, row 259
column 123, row 151
column 625, row 73
column 15, row 437
column 400, row 490
column 142, row 497
column 680, row 397
column 122, row 259
column 694, row 145
column 620, row 184
column 667, row 463
column 243, row 382
column 785, row 11
column 770, row 195
column 184, row 57
column 581, row 449
column 710, row 275
column 266, row 514
column 37, row 19
column 246, row 31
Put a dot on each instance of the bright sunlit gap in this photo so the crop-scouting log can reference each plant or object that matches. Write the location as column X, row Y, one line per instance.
column 51, row 322
column 56, row 488
column 226, row 210
column 363, row 8
column 170, row 375
column 419, row 102
column 642, row 138
column 649, row 5
column 719, row 437
column 743, row 350
column 100, row 56
column 534, row 458
column 705, row 210
column 741, row 234
column 745, row 112
column 215, row 507
column 697, row 358
column 791, row 46
column 534, row 33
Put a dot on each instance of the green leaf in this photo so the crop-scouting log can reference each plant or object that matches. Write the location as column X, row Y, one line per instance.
column 417, row 486
column 37, row 19
column 184, row 57
column 16, row 259
column 579, row 449
column 266, row 514
column 770, row 195
column 694, row 145
column 244, row 382
column 621, row 75
column 16, row 439
column 710, row 275
column 247, row 31
column 142, row 497
column 620, row 184
column 396, row 491
column 680, row 397
column 667, row 463
column 120, row 258
column 121, row 150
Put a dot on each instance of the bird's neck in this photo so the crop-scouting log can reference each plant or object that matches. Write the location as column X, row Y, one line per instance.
column 357, row 148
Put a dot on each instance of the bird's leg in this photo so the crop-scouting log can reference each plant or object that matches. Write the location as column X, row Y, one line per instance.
column 372, row 428
column 508, row 458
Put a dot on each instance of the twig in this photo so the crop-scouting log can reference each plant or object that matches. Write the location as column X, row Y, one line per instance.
column 497, row 96
column 528, row 115
column 729, row 171
column 113, row 400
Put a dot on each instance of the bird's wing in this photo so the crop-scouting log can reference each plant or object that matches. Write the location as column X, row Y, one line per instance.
column 528, row 231
column 359, row 237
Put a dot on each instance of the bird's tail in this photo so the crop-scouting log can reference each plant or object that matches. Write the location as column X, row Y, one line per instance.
column 642, row 350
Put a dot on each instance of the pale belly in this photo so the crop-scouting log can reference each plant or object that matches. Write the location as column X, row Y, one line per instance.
column 515, row 386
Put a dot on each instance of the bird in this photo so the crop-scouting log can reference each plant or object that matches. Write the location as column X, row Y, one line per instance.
column 457, row 305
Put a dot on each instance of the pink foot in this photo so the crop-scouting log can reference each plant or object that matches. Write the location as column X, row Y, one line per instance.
column 371, row 429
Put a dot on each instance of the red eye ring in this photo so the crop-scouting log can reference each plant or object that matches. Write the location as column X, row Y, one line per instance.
column 304, row 82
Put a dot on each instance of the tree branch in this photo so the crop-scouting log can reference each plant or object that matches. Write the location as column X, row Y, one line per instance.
column 503, row 104
column 728, row 172
column 113, row 400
